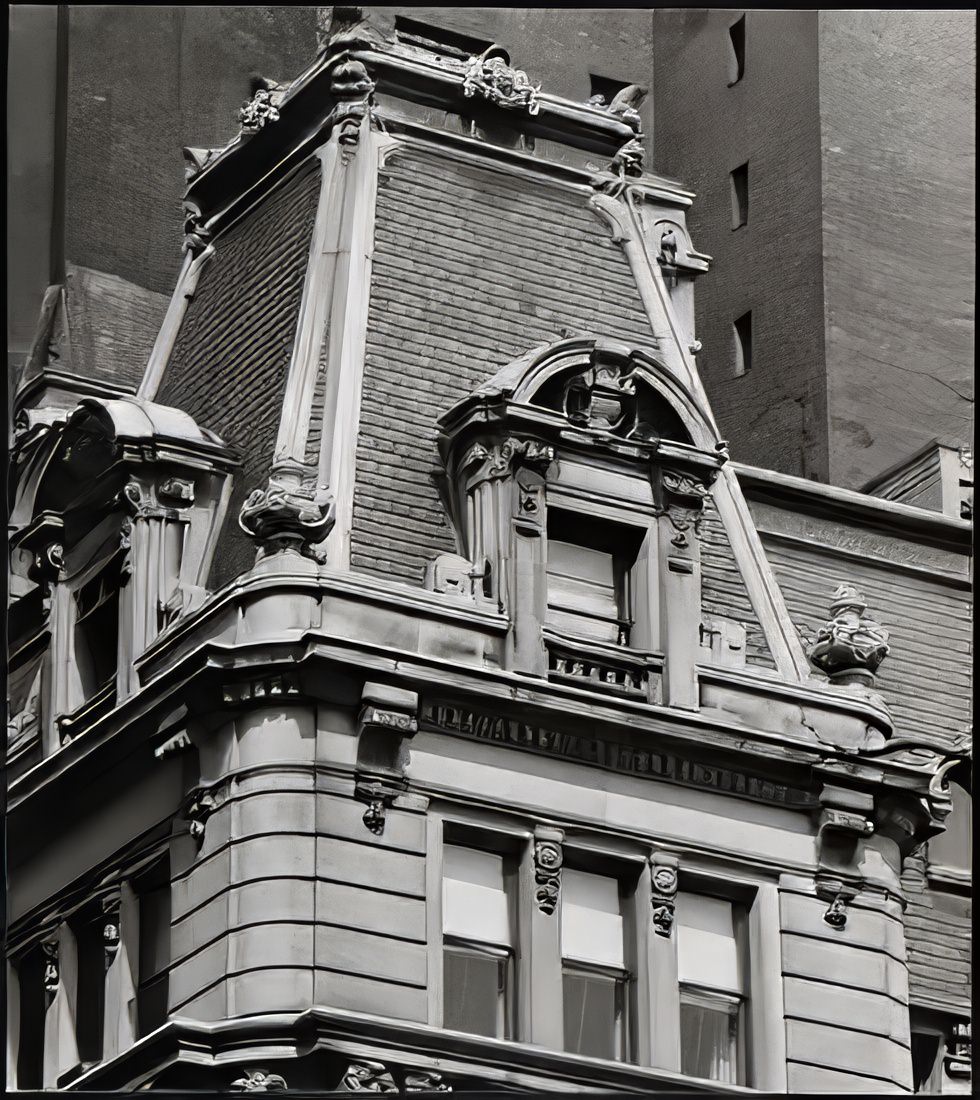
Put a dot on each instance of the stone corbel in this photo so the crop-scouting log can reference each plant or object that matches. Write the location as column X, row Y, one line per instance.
column 845, row 820
column 663, row 891
column 387, row 722
column 286, row 516
column 548, row 860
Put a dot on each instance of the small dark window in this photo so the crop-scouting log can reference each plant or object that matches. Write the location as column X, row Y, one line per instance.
column 438, row 40
column 90, row 944
column 743, row 344
column 97, row 629
column 153, row 890
column 736, row 59
column 926, row 1062
column 740, row 195
column 603, row 90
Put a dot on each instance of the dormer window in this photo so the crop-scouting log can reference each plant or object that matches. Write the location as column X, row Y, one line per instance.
column 97, row 628
column 589, row 583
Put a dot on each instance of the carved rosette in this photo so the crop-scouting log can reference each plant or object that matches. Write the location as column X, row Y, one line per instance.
column 491, row 76
column 663, row 893
column 367, row 1077
column 851, row 646
column 258, row 1080
column 282, row 517
column 548, row 859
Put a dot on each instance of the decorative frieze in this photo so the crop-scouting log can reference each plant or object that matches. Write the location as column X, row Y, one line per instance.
column 490, row 76
column 851, row 646
column 663, row 892
column 548, row 860
column 258, row 1080
column 288, row 517
column 263, row 687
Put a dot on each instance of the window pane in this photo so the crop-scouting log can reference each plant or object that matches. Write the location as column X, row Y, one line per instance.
column 475, row 993
column 707, row 952
column 593, row 1015
column 591, row 919
column 474, row 899
column 953, row 849
column 709, row 1041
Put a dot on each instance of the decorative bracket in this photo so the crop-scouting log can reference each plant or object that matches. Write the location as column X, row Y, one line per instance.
column 548, row 860
column 386, row 723
column 352, row 88
column 284, row 516
column 663, row 891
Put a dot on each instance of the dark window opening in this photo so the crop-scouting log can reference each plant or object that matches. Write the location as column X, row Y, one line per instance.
column 438, row 40
column 97, row 629
column 926, row 1061
column 743, row 344
column 153, row 890
column 90, row 945
column 740, row 196
column 30, row 1050
column 589, row 576
column 736, row 58
column 603, row 89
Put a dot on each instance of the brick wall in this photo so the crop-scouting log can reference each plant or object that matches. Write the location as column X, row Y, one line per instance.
column 471, row 269
column 228, row 367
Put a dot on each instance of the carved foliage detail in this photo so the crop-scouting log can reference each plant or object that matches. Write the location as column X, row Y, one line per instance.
column 262, row 108
column 548, row 859
column 680, row 496
column 490, row 75
column 663, row 895
column 515, row 453
column 283, row 516
column 851, row 646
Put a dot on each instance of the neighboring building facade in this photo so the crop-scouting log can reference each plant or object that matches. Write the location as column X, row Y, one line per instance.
column 408, row 691
column 834, row 158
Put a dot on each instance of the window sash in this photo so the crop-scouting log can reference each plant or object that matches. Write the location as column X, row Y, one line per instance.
column 461, row 949
column 723, row 1063
column 596, row 977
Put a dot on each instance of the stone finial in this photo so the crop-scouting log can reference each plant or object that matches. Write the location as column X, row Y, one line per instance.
column 490, row 75
column 283, row 516
column 851, row 646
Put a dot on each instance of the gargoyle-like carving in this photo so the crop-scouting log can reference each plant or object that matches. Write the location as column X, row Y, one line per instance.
column 490, row 75
column 852, row 645
column 628, row 160
column 548, row 861
column 625, row 104
column 197, row 236
column 663, row 894
column 367, row 1077
column 352, row 88
column 263, row 107
column 423, row 1080
column 680, row 496
column 198, row 813
column 52, row 977
column 602, row 397
column 836, row 914
column 668, row 247
column 282, row 517
column 258, row 1080
column 374, row 816
column 513, row 453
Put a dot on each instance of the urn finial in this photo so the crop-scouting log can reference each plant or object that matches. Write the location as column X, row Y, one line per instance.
column 851, row 646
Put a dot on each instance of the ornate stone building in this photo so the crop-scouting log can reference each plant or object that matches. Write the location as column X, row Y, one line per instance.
column 408, row 691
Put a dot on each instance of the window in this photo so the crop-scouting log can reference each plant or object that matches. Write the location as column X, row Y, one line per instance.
column 153, row 890
column 739, row 179
column 30, row 1050
column 589, row 581
column 712, row 997
column 951, row 853
column 97, row 629
column 594, row 975
column 927, row 1064
column 478, row 942
column 603, row 90
column 736, row 56
column 439, row 40
column 742, row 330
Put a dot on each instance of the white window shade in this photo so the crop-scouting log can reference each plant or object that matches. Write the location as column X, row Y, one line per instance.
column 707, row 950
column 582, row 590
column 591, row 919
column 474, row 899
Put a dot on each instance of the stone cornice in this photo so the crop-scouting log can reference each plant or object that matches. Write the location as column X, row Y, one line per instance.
column 847, row 505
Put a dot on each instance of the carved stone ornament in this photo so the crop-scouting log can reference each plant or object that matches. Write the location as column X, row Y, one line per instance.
column 668, row 247
column 490, row 75
column 47, row 565
column 514, row 453
column 624, row 104
column 680, row 496
column 548, row 861
column 200, row 809
column 52, row 977
column 367, row 1077
column 374, row 816
column 352, row 88
column 851, row 646
column 602, row 397
column 836, row 914
column 178, row 489
column 262, row 108
column 423, row 1080
column 628, row 160
column 282, row 517
column 959, row 1056
column 663, row 895
column 110, row 929
column 258, row 1080
column 197, row 236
